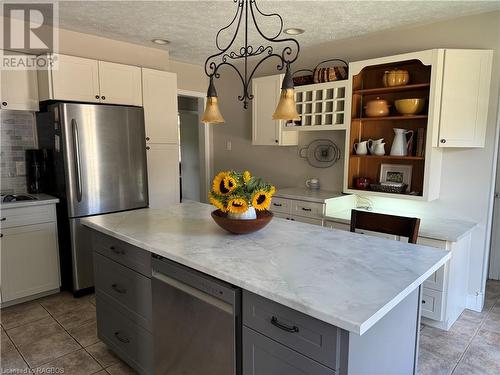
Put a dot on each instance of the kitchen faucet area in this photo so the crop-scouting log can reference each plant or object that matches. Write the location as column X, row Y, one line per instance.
column 250, row 187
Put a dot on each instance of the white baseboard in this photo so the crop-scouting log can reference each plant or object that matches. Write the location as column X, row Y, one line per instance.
column 475, row 302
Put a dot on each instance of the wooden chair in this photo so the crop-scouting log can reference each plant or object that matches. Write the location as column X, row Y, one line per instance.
column 389, row 224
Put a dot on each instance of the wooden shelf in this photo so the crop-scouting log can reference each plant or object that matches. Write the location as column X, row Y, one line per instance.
column 389, row 157
column 386, row 90
column 389, row 118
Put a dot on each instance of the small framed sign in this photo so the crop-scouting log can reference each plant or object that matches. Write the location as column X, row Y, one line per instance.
column 396, row 173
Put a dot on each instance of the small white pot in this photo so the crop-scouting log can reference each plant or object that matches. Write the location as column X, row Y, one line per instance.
column 249, row 214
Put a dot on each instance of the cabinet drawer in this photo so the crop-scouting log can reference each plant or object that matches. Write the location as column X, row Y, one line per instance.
column 263, row 356
column 126, row 289
column 129, row 341
column 122, row 252
column 16, row 217
column 281, row 205
column 436, row 280
column 335, row 225
column 307, row 209
column 309, row 336
column 432, row 304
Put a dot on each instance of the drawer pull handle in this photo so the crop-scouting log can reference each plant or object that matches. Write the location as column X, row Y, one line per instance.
column 284, row 327
column 117, row 289
column 121, row 338
column 1, row 235
column 306, row 209
column 3, row 219
column 117, row 251
column 277, row 204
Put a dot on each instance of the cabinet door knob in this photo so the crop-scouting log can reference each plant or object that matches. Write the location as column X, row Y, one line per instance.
column 103, row 97
column 276, row 141
column 97, row 96
column 4, row 104
column 443, row 140
column 147, row 138
column 1, row 235
column 147, row 147
column 423, row 301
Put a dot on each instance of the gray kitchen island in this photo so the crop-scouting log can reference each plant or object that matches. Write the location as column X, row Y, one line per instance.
column 175, row 293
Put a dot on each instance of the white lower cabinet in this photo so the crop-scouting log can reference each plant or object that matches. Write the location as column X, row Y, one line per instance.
column 298, row 210
column 29, row 256
column 163, row 174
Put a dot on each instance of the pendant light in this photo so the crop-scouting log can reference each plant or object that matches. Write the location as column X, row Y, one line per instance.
column 229, row 54
column 212, row 113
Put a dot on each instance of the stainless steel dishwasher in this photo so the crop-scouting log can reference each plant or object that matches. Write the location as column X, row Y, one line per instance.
column 196, row 322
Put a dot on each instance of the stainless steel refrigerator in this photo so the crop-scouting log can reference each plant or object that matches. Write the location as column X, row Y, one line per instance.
column 99, row 156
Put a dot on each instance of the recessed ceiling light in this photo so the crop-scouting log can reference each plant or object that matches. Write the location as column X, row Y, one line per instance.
column 294, row 31
column 161, row 42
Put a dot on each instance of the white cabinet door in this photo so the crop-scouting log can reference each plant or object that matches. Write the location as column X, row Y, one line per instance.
column 29, row 260
column 120, row 84
column 163, row 174
column 465, row 98
column 265, row 130
column 159, row 96
column 19, row 90
column 72, row 78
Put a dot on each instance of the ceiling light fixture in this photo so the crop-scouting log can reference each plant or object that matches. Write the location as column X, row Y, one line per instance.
column 229, row 55
column 294, row 31
column 160, row 41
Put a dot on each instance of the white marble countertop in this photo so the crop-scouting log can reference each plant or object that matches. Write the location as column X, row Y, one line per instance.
column 430, row 227
column 305, row 194
column 41, row 200
column 345, row 279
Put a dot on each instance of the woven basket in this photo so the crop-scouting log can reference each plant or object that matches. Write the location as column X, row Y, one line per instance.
column 395, row 189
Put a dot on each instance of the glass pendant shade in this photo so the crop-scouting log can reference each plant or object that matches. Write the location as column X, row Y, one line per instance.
column 287, row 109
column 212, row 113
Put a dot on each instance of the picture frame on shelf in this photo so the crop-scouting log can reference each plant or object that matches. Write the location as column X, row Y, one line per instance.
column 396, row 173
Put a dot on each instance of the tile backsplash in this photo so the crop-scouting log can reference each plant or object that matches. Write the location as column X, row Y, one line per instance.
column 17, row 133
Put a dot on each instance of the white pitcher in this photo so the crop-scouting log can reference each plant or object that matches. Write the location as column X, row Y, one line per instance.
column 372, row 144
column 361, row 148
column 400, row 142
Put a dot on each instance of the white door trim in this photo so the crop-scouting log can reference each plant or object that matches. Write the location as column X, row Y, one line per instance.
column 208, row 146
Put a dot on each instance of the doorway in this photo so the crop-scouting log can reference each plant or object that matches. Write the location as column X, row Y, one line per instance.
column 194, row 149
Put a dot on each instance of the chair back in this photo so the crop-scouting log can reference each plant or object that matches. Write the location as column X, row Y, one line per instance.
column 389, row 224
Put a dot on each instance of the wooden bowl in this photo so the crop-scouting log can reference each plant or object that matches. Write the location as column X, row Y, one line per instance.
column 409, row 107
column 242, row 226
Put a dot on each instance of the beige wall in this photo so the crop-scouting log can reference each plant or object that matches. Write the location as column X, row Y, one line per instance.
column 190, row 77
column 467, row 173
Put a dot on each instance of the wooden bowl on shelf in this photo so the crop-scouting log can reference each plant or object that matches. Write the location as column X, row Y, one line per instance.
column 236, row 226
column 409, row 107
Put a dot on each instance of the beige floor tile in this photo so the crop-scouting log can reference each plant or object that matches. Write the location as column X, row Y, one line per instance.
column 76, row 363
column 62, row 303
column 483, row 355
column 102, row 372
column 10, row 359
column 102, row 354
column 24, row 313
column 48, row 348
column 492, row 322
column 121, row 368
column 85, row 334
column 31, row 332
column 432, row 363
column 77, row 317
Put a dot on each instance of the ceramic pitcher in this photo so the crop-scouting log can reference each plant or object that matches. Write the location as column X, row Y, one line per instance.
column 400, row 142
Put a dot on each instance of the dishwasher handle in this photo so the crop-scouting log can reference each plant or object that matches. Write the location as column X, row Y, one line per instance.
column 207, row 298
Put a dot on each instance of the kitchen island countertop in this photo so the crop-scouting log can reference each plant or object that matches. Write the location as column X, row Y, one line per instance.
column 345, row 279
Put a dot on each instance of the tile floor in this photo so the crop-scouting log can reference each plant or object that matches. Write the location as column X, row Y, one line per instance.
column 54, row 333
column 470, row 347
column 59, row 331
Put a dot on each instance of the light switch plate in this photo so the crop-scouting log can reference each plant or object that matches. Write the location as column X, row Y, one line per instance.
column 20, row 168
column 228, row 145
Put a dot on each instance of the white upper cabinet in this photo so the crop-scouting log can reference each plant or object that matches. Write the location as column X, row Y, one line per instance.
column 19, row 90
column 71, row 78
column 120, row 84
column 465, row 98
column 78, row 79
column 265, row 130
column 159, row 95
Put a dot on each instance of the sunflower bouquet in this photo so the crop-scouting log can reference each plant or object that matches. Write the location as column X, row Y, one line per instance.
column 236, row 193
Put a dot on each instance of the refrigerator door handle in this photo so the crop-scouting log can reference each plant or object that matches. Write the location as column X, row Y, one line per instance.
column 76, row 147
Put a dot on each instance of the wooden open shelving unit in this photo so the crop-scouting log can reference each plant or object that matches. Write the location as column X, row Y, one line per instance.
column 368, row 85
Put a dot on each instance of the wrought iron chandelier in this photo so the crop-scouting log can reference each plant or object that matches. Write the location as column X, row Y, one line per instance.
column 229, row 55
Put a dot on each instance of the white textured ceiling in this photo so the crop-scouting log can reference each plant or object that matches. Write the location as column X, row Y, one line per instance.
column 191, row 25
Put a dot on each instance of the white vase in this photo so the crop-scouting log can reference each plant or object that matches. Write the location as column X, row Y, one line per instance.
column 249, row 214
